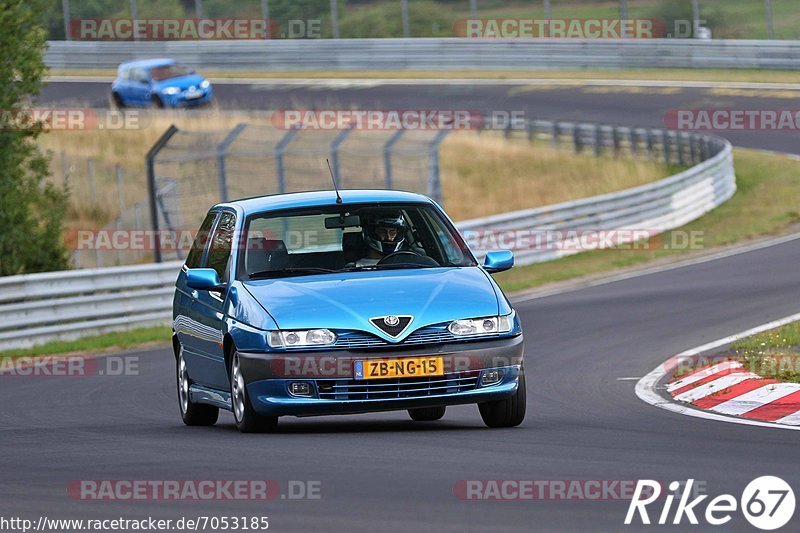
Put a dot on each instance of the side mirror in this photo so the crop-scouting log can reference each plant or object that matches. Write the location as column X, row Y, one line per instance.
column 204, row 279
column 498, row 261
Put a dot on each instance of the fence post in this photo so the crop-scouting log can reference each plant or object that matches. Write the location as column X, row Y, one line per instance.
column 576, row 139
column 615, row 138
column 598, row 140
column 387, row 156
column 556, row 133
column 222, row 154
column 651, row 142
column 665, row 145
column 151, row 186
column 335, row 143
column 681, row 145
column 633, row 141
column 280, row 150
column 434, row 179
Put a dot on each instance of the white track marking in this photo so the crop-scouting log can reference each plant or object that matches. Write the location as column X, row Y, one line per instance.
column 792, row 419
column 646, row 387
column 702, row 374
column 343, row 82
column 707, row 389
column 756, row 398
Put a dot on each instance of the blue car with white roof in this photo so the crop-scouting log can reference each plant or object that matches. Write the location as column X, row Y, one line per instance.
column 320, row 303
column 159, row 83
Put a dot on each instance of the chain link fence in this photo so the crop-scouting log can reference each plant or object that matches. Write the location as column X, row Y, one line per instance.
column 192, row 170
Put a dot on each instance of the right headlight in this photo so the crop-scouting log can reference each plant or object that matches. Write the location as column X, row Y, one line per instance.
column 298, row 338
column 489, row 325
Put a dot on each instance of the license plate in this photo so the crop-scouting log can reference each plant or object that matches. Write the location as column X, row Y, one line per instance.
column 192, row 95
column 407, row 367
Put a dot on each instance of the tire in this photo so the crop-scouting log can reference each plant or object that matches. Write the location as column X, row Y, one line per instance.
column 193, row 414
column 506, row 413
column 427, row 414
column 116, row 101
column 157, row 102
column 247, row 420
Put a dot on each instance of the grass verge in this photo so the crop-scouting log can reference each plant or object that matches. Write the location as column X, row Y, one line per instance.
column 119, row 340
column 773, row 354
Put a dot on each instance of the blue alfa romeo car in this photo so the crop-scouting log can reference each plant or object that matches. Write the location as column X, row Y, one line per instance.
column 159, row 83
column 314, row 304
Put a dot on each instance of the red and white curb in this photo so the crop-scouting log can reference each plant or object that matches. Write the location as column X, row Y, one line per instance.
column 726, row 391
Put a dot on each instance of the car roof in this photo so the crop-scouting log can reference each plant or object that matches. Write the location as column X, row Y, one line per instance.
column 321, row 198
column 148, row 63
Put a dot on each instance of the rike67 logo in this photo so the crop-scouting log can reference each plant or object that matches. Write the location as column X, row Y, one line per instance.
column 767, row 503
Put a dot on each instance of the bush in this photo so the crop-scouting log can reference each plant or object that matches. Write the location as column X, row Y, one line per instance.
column 31, row 209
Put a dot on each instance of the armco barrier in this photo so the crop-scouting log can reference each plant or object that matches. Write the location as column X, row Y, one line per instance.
column 36, row 308
column 434, row 54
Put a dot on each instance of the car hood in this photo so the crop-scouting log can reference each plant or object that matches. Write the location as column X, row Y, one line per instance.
column 348, row 300
column 181, row 82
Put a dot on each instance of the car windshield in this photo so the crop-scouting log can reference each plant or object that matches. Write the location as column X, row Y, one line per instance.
column 167, row 72
column 349, row 238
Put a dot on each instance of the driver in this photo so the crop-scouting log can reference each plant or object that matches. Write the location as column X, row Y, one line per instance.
column 384, row 233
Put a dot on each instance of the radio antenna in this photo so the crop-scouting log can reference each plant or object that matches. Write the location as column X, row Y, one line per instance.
column 333, row 179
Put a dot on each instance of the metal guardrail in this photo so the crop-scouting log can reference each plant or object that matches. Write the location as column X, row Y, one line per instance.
column 36, row 308
column 430, row 53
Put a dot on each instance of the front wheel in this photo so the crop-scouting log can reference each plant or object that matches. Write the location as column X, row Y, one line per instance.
column 506, row 413
column 247, row 420
column 427, row 414
column 193, row 414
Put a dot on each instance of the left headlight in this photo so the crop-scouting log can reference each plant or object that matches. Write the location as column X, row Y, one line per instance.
column 171, row 90
column 308, row 337
column 489, row 325
column 205, row 84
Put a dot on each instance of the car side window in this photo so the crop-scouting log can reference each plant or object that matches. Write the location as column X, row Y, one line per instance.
column 220, row 250
column 195, row 256
column 139, row 75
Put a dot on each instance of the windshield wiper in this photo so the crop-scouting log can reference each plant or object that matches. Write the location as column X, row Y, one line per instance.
column 292, row 270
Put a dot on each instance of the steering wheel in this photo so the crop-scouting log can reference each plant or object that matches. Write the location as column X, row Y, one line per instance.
column 408, row 256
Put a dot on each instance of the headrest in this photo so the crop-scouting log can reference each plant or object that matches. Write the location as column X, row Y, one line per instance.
column 352, row 241
column 265, row 254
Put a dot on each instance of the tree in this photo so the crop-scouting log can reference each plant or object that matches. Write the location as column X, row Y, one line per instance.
column 31, row 209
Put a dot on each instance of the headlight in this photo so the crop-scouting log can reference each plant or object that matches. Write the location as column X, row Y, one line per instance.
column 171, row 90
column 204, row 84
column 309, row 337
column 482, row 326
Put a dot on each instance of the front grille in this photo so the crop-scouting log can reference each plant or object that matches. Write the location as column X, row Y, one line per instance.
column 386, row 389
column 427, row 335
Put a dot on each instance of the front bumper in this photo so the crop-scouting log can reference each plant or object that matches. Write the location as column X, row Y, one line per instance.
column 185, row 99
column 334, row 391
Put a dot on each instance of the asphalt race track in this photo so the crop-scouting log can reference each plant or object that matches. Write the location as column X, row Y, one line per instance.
column 583, row 423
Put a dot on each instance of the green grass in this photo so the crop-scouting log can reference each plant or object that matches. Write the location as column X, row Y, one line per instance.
column 98, row 343
column 765, row 204
column 773, row 354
